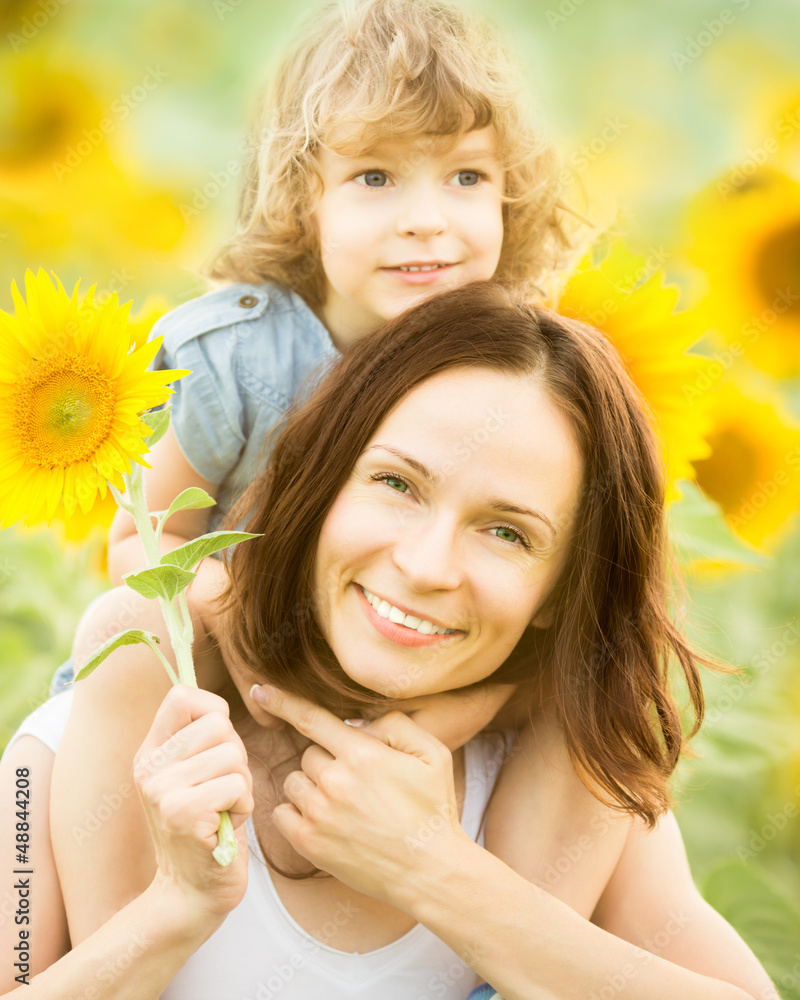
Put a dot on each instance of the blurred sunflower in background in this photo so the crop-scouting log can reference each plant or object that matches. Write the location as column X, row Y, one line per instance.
column 61, row 146
column 746, row 238
column 636, row 311
column 753, row 471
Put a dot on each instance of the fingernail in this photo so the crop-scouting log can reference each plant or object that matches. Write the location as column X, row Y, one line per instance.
column 356, row 722
column 260, row 695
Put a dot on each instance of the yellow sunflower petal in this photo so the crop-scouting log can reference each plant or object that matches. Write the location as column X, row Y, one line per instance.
column 746, row 237
column 70, row 414
column 753, row 471
column 635, row 311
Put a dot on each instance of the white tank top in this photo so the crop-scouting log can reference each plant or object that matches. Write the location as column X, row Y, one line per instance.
column 261, row 953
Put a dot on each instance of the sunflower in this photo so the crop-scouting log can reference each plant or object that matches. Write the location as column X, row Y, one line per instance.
column 72, row 388
column 635, row 310
column 753, row 471
column 747, row 240
column 79, row 525
column 45, row 110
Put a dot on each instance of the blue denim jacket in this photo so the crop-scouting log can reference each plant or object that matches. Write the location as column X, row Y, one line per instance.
column 251, row 350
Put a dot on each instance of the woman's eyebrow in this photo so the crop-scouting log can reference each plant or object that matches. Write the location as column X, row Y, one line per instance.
column 494, row 503
column 416, row 465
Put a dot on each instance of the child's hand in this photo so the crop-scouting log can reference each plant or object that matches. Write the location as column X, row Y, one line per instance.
column 454, row 717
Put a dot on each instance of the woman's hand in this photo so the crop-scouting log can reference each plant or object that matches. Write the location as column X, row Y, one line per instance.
column 190, row 768
column 373, row 806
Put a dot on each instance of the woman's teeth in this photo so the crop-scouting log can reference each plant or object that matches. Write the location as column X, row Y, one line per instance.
column 421, row 625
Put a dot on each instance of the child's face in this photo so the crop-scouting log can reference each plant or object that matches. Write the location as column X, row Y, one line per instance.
column 405, row 204
column 458, row 512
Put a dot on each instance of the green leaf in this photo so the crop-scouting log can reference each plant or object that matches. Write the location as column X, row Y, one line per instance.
column 767, row 920
column 158, row 422
column 191, row 553
column 128, row 638
column 159, row 581
column 700, row 533
column 192, row 499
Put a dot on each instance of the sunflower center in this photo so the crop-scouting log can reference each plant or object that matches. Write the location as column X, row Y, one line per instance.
column 63, row 411
column 778, row 270
column 730, row 475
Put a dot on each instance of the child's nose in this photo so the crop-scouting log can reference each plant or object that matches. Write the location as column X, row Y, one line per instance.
column 421, row 213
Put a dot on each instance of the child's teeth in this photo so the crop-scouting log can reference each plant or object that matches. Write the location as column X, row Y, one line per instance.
column 421, row 625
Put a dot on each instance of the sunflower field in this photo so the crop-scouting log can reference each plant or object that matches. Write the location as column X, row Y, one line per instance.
column 122, row 128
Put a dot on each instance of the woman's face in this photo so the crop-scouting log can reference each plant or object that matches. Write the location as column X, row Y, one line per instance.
column 456, row 517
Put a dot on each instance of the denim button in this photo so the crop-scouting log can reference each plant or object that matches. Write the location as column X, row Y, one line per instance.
column 248, row 301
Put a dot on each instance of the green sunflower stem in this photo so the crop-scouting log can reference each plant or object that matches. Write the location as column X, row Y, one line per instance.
column 179, row 625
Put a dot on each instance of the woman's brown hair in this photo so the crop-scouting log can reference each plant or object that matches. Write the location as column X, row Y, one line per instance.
column 606, row 654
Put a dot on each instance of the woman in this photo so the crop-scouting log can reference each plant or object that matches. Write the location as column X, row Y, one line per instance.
column 475, row 494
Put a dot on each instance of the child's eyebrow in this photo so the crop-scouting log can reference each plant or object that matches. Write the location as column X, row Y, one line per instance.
column 475, row 154
column 383, row 152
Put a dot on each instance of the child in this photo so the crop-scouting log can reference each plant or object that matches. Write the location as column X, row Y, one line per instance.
column 389, row 161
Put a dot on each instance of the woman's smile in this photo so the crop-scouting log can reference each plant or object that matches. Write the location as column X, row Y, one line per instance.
column 399, row 627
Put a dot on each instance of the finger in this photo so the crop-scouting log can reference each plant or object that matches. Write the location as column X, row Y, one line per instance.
column 401, row 733
column 198, row 808
column 314, row 759
column 287, row 819
column 298, row 788
column 311, row 720
column 215, row 762
column 181, row 706
column 260, row 714
column 210, row 730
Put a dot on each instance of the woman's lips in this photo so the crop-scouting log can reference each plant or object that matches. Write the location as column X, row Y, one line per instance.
column 419, row 277
column 400, row 634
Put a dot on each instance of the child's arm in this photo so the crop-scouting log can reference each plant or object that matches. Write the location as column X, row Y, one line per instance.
column 170, row 474
column 454, row 717
column 545, row 824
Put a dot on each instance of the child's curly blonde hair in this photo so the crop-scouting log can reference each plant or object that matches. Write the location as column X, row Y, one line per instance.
column 362, row 71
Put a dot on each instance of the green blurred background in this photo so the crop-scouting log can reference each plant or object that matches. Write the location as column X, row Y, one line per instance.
column 679, row 122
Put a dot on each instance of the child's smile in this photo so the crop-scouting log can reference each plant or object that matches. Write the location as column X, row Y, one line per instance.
column 406, row 215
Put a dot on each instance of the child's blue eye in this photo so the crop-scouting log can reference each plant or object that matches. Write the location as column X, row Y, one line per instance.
column 373, row 178
column 473, row 177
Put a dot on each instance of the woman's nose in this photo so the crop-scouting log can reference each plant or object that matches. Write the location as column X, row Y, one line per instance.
column 421, row 212
column 428, row 557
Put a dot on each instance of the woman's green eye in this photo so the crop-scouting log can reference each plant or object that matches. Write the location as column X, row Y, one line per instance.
column 391, row 481
column 516, row 537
